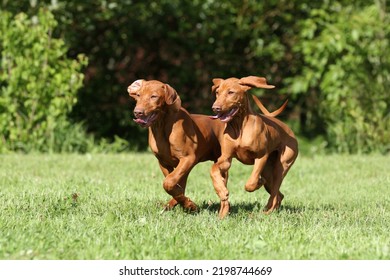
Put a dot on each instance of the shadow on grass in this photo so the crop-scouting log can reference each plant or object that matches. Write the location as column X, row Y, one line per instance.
column 214, row 207
column 235, row 209
column 256, row 207
column 250, row 207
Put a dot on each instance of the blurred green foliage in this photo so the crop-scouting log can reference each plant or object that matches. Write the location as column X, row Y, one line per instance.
column 347, row 68
column 39, row 83
column 330, row 58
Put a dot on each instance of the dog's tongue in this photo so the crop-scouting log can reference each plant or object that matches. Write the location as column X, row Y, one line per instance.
column 214, row 117
column 140, row 121
column 225, row 117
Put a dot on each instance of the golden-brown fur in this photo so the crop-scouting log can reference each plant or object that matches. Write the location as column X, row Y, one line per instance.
column 179, row 140
column 259, row 140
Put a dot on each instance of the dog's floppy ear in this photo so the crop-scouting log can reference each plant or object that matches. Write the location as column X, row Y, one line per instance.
column 172, row 98
column 134, row 88
column 253, row 81
column 216, row 82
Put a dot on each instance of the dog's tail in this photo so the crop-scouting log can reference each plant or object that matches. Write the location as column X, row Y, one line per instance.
column 265, row 111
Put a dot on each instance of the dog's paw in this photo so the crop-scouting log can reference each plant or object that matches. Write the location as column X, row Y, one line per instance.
column 252, row 186
column 170, row 205
column 224, row 210
column 274, row 203
column 191, row 208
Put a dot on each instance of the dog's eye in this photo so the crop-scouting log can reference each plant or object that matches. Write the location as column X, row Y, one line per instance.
column 154, row 97
column 230, row 92
column 137, row 94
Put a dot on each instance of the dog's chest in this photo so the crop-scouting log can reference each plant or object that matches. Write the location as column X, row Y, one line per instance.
column 246, row 152
column 164, row 155
column 169, row 148
column 249, row 145
column 161, row 148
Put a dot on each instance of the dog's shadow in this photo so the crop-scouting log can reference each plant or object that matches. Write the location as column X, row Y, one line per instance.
column 234, row 208
column 250, row 207
column 255, row 207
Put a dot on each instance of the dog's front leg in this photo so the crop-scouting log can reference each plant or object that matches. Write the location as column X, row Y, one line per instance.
column 172, row 183
column 255, row 181
column 219, row 175
column 166, row 170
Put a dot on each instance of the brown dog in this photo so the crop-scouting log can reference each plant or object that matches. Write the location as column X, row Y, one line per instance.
column 259, row 140
column 178, row 140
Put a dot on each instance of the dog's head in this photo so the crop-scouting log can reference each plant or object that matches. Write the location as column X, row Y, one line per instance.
column 231, row 95
column 154, row 99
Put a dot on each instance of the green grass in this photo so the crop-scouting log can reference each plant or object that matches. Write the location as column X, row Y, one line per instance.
column 108, row 207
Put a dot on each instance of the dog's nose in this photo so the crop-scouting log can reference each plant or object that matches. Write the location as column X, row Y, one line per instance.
column 138, row 112
column 216, row 108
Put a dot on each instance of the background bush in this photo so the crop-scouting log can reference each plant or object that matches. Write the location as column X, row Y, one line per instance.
column 39, row 83
column 347, row 68
column 330, row 58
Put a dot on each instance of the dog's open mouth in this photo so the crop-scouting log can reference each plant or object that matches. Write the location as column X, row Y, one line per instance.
column 146, row 121
column 226, row 116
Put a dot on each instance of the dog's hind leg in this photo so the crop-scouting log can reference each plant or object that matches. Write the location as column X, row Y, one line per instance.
column 269, row 175
column 281, row 167
column 276, row 196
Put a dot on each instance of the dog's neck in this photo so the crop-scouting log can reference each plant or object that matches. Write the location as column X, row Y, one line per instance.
column 244, row 111
column 164, row 122
column 240, row 119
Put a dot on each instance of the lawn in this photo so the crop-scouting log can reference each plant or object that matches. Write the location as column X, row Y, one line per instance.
column 98, row 206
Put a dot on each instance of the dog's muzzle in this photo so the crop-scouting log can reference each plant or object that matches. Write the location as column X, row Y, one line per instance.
column 225, row 116
column 145, row 121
